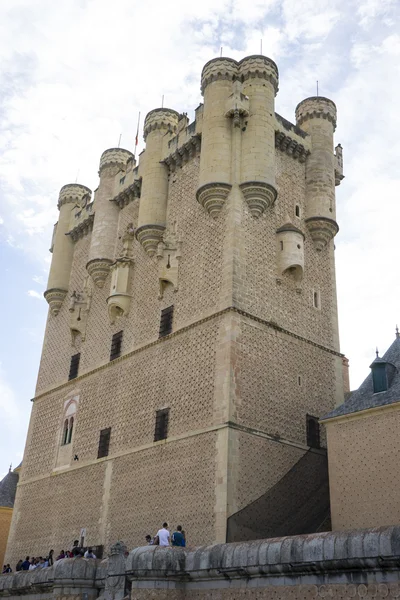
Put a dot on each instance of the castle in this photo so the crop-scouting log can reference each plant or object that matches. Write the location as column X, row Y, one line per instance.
column 192, row 338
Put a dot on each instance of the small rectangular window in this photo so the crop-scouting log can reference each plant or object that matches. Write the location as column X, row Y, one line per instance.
column 167, row 315
column 161, row 428
column 316, row 299
column 104, row 442
column 74, row 366
column 116, row 344
column 297, row 210
column 313, row 436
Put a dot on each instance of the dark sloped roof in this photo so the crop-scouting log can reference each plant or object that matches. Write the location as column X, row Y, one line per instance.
column 8, row 489
column 364, row 397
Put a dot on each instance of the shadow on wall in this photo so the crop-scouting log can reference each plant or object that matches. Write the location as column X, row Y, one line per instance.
column 298, row 504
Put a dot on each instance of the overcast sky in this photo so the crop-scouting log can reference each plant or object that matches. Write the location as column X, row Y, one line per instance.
column 75, row 73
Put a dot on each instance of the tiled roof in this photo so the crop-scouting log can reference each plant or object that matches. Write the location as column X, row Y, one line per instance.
column 8, row 488
column 364, row 397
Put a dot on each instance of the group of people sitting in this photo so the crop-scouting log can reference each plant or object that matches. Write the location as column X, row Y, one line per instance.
column 164, row 538
column 31, row 563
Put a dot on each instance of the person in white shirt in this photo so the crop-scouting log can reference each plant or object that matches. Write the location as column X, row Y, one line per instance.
column 89, row 554
column 163, row 535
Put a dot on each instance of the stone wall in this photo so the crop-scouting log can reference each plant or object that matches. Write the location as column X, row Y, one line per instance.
column 353, row 564
column 5, row 522
column 362, row 448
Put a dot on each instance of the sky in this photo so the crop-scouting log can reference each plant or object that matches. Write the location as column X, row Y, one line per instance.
column 74, row 74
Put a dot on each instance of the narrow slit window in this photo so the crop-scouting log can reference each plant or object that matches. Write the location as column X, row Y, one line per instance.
column 167, row 315
column 74, row 366
column 281, row 245
column 297, row 210
column 70, row 429
column 104, row 442
column 116, row 345
column 313, row 434
column 316, row 300
column 161, row 428
column 65, row 433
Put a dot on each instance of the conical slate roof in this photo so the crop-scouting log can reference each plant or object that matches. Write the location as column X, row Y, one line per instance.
column 364, row 397
column 8, row 489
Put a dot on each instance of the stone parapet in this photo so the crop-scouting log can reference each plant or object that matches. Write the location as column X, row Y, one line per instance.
column 74, row 193
column 259, row 66
column 218, row 69
column 316, row 107
column 114, row 156
column 249, row 67
column 160, row 118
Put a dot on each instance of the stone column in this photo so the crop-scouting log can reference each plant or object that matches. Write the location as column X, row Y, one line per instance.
column 317, row 116
column 159, row 126
column 260, row 83
column 101, row 254
column 216, row 140
column 71, row 195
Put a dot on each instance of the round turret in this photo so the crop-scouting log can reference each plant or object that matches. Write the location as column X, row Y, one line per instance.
column 316, row 107
column 317, row 117
column 218, row 69
column 290, row 250
column 115, row 157
column 260, row 78
column 258, row 66
column 160, row 118
column 71, row 195
column 154, row 192
column 101, row 255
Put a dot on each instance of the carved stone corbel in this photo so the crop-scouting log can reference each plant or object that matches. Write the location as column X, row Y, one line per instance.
column 79, row 307
column 168, row 255
column 119, row 299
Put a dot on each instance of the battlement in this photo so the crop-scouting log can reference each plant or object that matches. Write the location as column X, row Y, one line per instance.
column 114, row 156
column 160, row 118
column 230, row 69
column 73, row 193
column 316, row 107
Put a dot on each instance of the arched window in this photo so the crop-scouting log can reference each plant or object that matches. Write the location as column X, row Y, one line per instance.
column 69, row 421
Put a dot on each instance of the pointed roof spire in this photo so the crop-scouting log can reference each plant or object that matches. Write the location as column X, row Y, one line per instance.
column 377, row 352
column 10, row 469
column 397, row 332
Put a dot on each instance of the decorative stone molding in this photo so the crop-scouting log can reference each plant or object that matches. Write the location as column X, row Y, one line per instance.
column 259, row 66
column 161, row 118
column 316, row 107
column 114, row 157
column 290, row 146
column 79, row 308
column 82, row 229
column 55, row 297
column 212, row 197
column 322, row 231
column 259, row 196
column 218, row 69
column 237, row 105
column 119, row 299
column 149, row 236
column 338, row 164
column 129, row 194
column 98, row 269
column 74, row 193
column 168, row 255
column 184, row 153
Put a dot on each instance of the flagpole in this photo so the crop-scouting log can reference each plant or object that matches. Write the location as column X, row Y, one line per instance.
column 137, row 135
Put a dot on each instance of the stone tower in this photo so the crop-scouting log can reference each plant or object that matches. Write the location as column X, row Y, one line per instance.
column 192, row 337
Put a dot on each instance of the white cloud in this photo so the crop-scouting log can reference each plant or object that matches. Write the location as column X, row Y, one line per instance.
column 34, row 294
